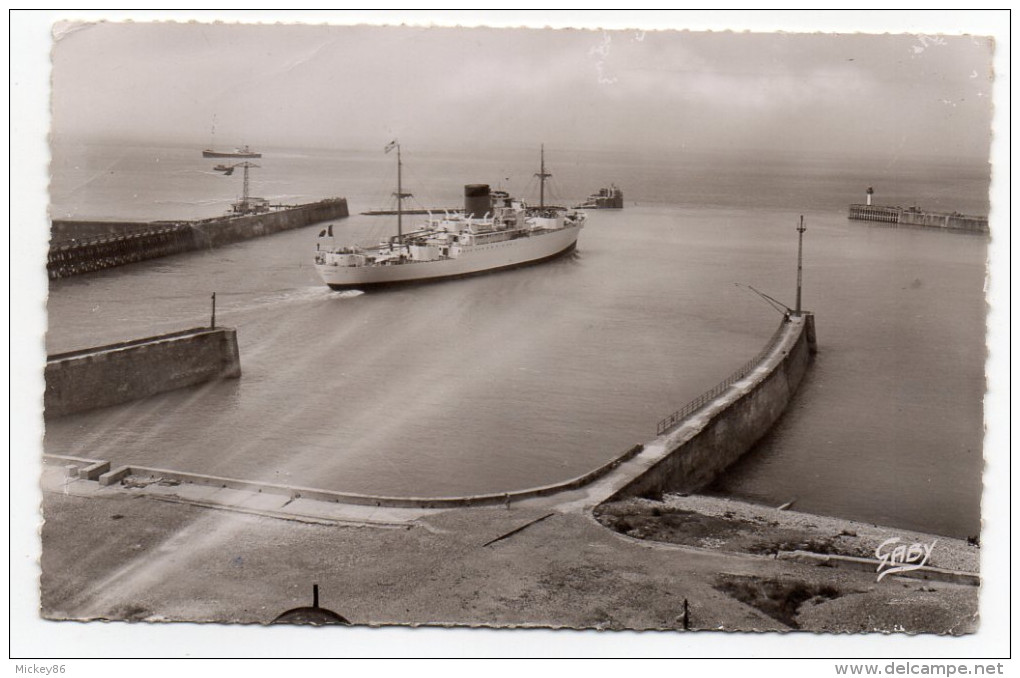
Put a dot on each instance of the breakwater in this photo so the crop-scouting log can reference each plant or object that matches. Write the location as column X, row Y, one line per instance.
column 700, row 441
column 82, row 246
column 912, row 216
column 116, row 373
column 687, row 456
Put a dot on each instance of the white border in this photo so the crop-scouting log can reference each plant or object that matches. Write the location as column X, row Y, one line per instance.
column 31, row 637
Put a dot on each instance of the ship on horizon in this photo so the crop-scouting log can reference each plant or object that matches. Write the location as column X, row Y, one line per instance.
column 240, row 152
column 494, row 232
column 609, row 198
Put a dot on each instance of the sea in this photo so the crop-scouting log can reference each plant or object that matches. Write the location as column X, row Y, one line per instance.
column 537, row 375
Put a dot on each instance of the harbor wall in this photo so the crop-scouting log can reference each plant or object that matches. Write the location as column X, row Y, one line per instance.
column 223, row 231
column 960, row 222
column 64, row 231
column 80, row 246
column 689, row 455
column 117, row 373
column 136, row 242
column 917, row 217
column 713, row 437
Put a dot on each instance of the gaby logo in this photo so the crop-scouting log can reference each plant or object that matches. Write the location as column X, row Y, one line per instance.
column 894, row 557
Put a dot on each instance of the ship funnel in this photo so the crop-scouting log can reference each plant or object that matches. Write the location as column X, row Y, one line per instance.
column 476, row 201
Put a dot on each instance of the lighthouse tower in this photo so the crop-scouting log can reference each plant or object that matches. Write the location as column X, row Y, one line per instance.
column 870, row 191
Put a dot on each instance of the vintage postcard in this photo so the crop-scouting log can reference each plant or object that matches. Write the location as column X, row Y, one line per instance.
column 595, row 328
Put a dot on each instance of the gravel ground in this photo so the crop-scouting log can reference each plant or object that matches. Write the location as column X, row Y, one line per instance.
column 726, row 524
column 132, row 557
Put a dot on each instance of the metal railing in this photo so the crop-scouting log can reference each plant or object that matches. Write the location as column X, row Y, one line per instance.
column 693, row 406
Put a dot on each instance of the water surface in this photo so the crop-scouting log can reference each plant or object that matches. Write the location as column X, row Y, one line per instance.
column 533, row 376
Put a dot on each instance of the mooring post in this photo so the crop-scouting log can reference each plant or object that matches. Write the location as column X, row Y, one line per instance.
column 800, row 266
column 212, row 323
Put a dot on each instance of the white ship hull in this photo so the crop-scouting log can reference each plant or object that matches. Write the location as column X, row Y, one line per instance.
column 473, row 260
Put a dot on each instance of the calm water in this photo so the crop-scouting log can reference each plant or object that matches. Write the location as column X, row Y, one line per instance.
column 528, row 377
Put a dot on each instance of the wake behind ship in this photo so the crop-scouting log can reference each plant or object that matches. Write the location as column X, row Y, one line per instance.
column 495, row 232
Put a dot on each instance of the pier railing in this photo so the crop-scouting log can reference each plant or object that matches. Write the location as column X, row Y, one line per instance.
column 890, row 215
column 708, row 396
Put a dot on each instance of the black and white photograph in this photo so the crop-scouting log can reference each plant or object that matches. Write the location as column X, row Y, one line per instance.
column 513, row 327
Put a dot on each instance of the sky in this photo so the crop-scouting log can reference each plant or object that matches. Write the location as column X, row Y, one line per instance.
column 360, row 86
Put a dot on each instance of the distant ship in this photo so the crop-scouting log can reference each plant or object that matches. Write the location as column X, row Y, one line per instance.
column 494, row 232
column 242, row 152
column 606, row 199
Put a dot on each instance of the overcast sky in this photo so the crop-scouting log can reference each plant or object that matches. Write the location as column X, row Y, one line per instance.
column 279, row 85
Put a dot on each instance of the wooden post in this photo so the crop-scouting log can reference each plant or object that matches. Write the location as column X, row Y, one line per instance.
column 212, row 323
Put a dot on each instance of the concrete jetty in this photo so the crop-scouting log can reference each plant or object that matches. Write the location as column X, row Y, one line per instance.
column 117, row 373
column 914, row 216
column 693, row 452
column 83, row 246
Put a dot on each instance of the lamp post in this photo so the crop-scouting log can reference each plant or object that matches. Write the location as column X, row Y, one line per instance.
column 800, row 260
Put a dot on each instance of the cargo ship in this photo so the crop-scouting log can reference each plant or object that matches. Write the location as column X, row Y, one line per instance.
column 610, row 198
column 242, row 152
column 494, row 232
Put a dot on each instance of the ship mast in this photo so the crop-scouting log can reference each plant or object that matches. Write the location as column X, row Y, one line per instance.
column 400, row 200
column 400, row 193
column 542, row 176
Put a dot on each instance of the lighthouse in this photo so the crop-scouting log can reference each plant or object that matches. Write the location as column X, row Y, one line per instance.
column 870, row 191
